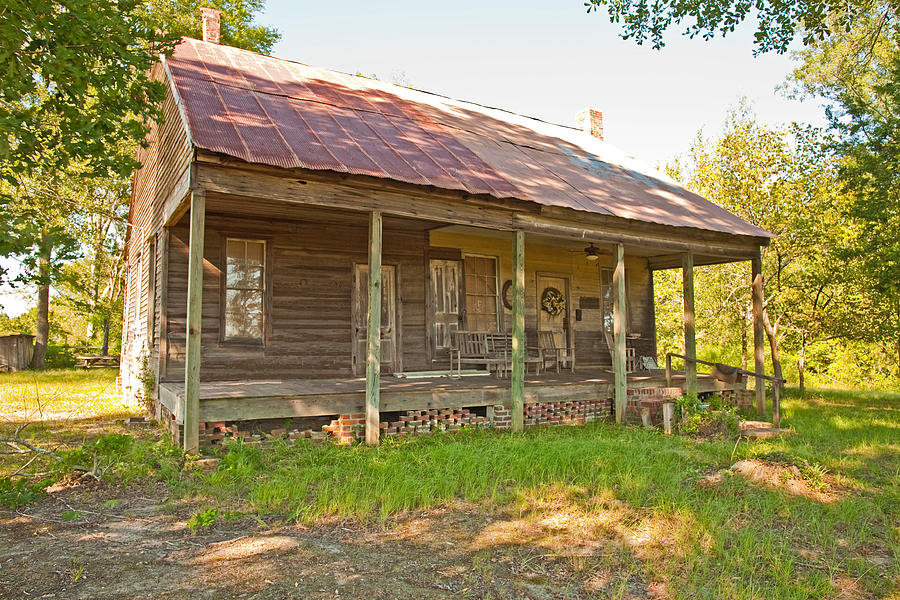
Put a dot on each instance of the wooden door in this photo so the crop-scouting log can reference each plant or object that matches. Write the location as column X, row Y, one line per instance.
column 558, row 325
column 388, row 318
column 445, row 314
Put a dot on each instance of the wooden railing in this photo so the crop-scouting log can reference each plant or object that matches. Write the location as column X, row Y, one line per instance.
column 776, row 381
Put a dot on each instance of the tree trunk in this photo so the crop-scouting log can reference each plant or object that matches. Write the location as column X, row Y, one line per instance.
column 773, row 346
column 104, row 349
column 801, row 363
column 744, row 348
column 42, row 323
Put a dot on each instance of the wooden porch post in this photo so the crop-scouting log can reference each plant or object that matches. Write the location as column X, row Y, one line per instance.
column 759, row 352
column 373, row 333
column 194, row 316
column 517, row 378
column 619, row 326
column 690, row 332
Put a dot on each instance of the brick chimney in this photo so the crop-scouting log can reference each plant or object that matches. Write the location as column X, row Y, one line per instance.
column 591, row 121
column 211, row 18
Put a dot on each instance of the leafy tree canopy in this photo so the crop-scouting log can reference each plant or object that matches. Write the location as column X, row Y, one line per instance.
column 74, row 84
column 778, row 22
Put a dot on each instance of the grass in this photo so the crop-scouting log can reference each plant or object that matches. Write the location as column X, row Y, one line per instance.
column 735, row 540
column 639, row 497
column 61, row 394
column 63, row 408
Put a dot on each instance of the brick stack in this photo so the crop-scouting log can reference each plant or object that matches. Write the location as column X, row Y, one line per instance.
column 502, row 417
column 347, row 428
column 216, row 432
column 577, row 412
column 650, row 398
column 740, row 398
column 424, row 422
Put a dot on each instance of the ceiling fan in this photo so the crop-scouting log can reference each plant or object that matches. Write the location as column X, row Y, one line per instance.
column 592, row 252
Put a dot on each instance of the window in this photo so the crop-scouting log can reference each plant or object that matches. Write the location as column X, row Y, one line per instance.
column 245, row 276
column 481, row 293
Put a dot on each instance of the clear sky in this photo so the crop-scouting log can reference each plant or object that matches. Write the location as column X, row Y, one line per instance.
column 539, row 58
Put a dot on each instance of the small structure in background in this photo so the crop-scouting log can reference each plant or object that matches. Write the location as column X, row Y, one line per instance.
column 16, row 351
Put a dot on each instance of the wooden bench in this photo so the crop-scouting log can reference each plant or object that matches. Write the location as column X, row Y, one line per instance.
column 491, row 349
column 500, row 344
column 88, row 361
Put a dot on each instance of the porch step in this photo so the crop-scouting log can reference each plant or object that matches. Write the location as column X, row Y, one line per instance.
column 755, row 425
column 765, row 433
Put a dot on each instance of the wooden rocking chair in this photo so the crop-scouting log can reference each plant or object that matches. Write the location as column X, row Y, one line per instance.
column 552, row 353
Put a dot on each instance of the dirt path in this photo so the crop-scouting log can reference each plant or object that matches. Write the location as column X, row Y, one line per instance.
column 75, row 544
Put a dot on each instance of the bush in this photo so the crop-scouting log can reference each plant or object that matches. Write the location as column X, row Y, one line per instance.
column 713, row 418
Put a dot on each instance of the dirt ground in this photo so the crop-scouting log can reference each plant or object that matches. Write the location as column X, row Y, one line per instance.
column 76, row 543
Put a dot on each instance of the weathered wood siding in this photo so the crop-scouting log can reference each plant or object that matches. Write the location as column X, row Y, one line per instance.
column 309, row 285
column 163, row 164
column 543, row 257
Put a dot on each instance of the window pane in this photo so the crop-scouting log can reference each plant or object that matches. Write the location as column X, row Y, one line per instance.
column 256, row 254
column 243, row 314
column 244, row 283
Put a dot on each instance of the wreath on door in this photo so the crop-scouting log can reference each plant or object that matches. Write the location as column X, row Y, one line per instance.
column 553, row 302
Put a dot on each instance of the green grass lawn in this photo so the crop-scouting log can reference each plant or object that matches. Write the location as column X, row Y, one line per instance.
column 644, row 500
column 640, row 490
column 60, row 394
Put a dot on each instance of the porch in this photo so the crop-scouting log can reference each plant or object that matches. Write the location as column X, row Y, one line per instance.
column 246, row 400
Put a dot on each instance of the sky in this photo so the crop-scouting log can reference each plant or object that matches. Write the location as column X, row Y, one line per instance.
column 543, row 59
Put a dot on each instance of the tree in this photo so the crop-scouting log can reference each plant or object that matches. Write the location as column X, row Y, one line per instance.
column 784, row 181
column 182, row 18
column 857, row 71
column 75, row 102
column 94, row 286
column 74, row 84
column 37, row 220
column 778, row 23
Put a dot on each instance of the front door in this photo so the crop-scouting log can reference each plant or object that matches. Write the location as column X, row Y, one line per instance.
column 361, row 318
column 444, row 299
column 558, row 323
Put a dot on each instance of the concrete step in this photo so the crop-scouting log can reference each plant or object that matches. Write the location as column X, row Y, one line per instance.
column 763, row 433
column 755, row 425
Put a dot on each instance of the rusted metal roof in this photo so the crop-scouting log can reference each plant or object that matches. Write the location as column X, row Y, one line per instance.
column 275, row 112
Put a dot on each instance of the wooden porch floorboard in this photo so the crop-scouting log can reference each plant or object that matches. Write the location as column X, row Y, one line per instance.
column 283, row 398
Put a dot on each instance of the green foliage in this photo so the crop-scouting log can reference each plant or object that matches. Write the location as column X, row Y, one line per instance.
column 75, row 84
column 123, row 459
column 711, row 417
column 857, row 71
column 777, row 23
column 785, row 180
column 21, row 492
column 203, row 519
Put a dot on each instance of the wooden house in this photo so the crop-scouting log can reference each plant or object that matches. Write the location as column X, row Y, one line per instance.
column 278, row 202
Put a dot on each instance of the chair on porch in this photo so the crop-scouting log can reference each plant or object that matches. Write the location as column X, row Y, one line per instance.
column 552, row 353
column 500, row 344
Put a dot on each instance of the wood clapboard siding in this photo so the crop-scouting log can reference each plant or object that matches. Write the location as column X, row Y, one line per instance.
column 309, row 286
column 163, row 163
column 543, row 257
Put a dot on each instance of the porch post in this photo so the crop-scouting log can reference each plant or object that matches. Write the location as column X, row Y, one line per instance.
column 619, row 326
column 690, row 333
column 759, row 353
column 517, row 378
column 194, row 316
column 373, row 333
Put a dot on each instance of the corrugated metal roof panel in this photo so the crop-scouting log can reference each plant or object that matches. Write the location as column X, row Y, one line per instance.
column 270, row 111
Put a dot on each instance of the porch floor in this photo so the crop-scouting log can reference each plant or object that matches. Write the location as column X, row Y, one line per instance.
column 285, row 398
